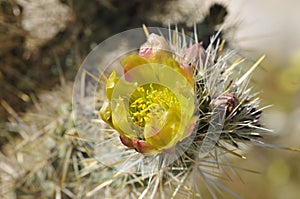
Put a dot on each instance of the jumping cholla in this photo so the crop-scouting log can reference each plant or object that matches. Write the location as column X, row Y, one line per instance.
column 178, row 110
column 164, row 126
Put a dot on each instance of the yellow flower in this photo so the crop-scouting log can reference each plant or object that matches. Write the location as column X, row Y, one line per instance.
column 153, row 106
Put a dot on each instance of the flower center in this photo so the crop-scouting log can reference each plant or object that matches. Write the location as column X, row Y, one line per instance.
column 150, row 100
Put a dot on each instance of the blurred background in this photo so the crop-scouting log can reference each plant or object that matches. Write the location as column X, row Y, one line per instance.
column 43, row 41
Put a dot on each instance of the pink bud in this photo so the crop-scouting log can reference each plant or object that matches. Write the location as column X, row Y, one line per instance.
column 193, row 55
column 154, row 46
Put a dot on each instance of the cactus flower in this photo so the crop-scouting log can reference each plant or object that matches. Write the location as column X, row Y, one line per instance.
column 152, row 106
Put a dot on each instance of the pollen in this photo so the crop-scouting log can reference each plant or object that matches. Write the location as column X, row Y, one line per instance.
column 150, row 100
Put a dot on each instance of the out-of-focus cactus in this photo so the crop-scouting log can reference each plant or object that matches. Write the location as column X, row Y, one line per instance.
column 43, row 157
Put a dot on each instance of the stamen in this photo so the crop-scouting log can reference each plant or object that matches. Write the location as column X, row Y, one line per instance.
column 154, row 100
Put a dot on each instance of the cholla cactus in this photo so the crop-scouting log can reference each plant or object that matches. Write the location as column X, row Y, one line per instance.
column 171, row 117
column 206, row 117
column 42, row 157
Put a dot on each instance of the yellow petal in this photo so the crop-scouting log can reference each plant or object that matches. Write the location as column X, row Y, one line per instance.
column 132, row 61
column 105, row 112
column 111, row 83
column 167, row 135
column 121, row 119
